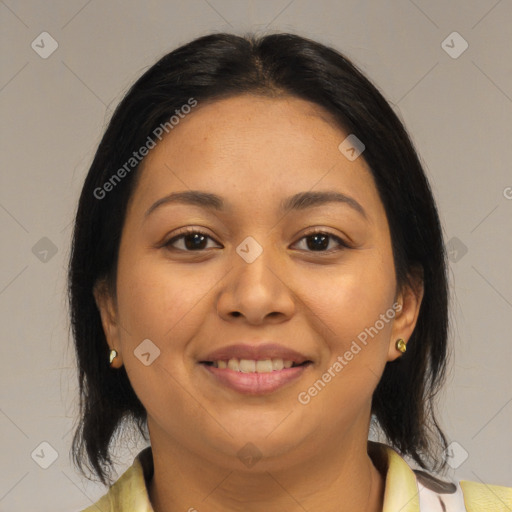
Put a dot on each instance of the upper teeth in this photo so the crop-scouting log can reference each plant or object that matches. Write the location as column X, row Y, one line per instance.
column 252, row 365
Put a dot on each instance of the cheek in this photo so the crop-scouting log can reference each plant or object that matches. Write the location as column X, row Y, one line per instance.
column 352, row 296
column 355, row 345
column 158, row 300
column 162, row 304
column 166, row 304
column 352, row 308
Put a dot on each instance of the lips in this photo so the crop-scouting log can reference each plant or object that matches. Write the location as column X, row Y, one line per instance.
column 259, row 352
column 255, row 369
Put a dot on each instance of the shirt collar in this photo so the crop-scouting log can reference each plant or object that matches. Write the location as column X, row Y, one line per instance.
column 401, row 488
column 130, row 492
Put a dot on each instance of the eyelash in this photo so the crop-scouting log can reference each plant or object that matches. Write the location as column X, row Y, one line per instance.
column 193, row 231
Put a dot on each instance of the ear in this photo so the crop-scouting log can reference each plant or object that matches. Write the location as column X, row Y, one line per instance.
column 109, row 319
column 409, row 298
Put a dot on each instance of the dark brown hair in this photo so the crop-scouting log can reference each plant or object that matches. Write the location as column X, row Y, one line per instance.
column 224, row 65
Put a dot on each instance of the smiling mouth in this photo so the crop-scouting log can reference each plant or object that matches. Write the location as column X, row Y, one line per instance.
column 255, row 376
column 254, row 365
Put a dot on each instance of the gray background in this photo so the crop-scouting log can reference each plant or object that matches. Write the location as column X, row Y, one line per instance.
column 54, row 111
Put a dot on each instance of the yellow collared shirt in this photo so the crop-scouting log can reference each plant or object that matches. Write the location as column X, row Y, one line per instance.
column 405, row 489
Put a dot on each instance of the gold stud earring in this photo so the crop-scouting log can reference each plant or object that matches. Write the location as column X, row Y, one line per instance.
column 400, row 345
column 113, row 355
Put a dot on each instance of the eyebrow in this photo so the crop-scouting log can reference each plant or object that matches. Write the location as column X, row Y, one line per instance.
column 300, row 201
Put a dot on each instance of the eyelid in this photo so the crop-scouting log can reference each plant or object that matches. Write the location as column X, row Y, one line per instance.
column 187, row 231
column 310, row 232
column 323, row 231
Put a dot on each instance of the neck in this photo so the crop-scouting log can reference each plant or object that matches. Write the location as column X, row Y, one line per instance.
column 342, row 478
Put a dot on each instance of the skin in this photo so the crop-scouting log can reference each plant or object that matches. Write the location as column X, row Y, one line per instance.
column 255, row 151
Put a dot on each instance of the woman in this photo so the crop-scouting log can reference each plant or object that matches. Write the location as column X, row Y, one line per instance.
column 258, row 271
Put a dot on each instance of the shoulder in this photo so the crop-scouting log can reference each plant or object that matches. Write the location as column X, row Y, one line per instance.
column 464, row 496
column 414, row 490
column 104, row 504
column 129, row 492
column 480, row 497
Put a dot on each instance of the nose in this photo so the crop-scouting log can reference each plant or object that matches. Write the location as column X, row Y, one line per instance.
column 257, row 291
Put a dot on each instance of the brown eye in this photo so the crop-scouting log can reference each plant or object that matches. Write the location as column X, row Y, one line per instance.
column 319, row 241
column 192, row 241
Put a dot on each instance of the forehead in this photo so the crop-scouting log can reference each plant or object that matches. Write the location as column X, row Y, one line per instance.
column 254, row 148
column 246, row 115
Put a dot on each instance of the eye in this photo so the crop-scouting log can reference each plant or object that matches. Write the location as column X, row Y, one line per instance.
column 319, row 241
column 192, row 240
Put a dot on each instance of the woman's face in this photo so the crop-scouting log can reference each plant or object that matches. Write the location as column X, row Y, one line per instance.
column 256, row 283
